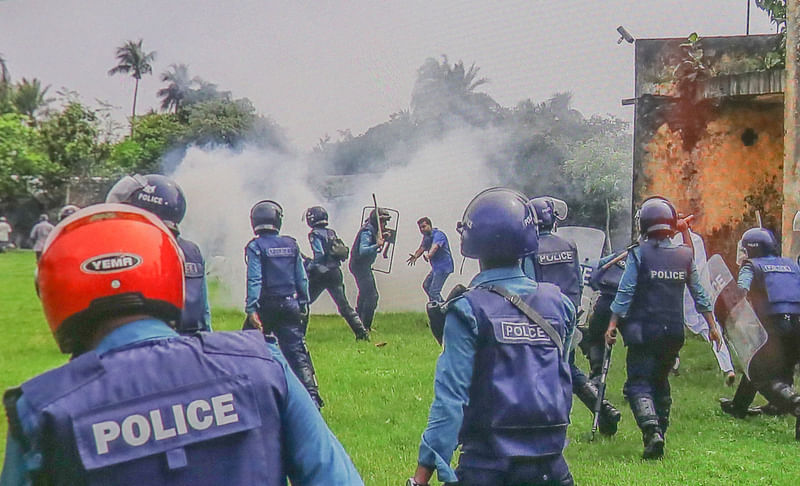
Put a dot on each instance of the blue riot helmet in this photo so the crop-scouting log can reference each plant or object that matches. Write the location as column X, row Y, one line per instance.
column 384, row 215
column 759, row 242
column 266, row 215
column 152, row 192
column 549, row 210
column 316, row 216
column 498, row 224
column 657, row 216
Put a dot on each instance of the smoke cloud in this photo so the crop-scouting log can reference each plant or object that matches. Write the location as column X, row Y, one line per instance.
column 221, row 185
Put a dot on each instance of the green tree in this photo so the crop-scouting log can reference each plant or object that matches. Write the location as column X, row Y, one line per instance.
column 24, row 165
column 70, row 139
column 154, row 136
column 442, row 90
column 29, row 98
column 133, row 60
column 178, row 87
column 231, row 122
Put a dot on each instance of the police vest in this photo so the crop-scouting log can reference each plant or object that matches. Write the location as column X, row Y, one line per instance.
column 357, row 258
column 193, row 316
column 607, row 281
column 776, row 286
column 657, row 307
column 278, row 255
column 521, row 391
column 325, row 235
column 556, row 262
column 188, row 411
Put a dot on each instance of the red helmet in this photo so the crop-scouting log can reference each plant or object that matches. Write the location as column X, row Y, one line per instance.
column 108, row 260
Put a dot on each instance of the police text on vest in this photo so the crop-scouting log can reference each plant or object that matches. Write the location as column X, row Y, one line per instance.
column 138, row 429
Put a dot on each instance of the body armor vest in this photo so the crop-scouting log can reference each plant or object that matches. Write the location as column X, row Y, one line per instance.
column 325, row 235
column 521, row 392
column 193, row 316
column 556, row 262
column 657, row 307
column 776, row 286
column 365, row 260
column 278, row 255
column 132, row 417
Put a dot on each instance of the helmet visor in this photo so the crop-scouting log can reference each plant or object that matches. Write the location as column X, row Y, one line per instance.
column 125, row 187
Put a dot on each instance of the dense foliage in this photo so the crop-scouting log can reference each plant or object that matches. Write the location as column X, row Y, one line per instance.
column 61, row 150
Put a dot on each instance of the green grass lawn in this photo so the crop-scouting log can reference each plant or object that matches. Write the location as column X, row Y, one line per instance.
column 377, row 400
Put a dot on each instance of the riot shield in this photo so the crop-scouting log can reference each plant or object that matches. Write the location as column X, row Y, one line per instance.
column 383, row 263
column 742, row 327
column 795, row 246
column 590, row 243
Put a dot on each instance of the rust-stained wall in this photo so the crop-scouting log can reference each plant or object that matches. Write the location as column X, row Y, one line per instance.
column 720, row 159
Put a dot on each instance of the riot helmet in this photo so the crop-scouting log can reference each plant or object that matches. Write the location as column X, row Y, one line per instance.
column 498, row 224
column 549, row 210
column 657, row 216
column 316, row 216
column 152, row 192
column 266, row 215
column 44, row 217
column 108, row 260
column 67, row 211
column 759, row 242
column 384, row 215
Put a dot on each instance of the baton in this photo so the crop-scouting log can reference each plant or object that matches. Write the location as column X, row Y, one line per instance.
column 378, row 217
column 621, row 256
column 601, row 389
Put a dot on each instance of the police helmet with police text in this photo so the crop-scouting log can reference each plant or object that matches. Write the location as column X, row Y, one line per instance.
column 266, row 215
column 759, row 242
column 498, row 224
column 156, row 193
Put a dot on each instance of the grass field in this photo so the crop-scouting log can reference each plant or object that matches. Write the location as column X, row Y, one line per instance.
column 378, row 398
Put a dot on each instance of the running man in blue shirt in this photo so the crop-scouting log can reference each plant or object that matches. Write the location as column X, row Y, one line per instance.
column 436, row 250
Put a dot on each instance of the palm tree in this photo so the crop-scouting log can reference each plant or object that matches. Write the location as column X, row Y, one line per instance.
column 29, row 97
column 179, row 87
column 133, row 60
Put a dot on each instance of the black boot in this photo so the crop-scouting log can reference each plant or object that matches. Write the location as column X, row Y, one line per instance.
column 609, row 415
column 645, row 412
column 784, row 397
column 739, row 406
column 663, row 407
column 357, row 326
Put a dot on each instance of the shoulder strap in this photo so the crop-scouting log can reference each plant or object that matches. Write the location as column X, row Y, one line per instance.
column 534, row 316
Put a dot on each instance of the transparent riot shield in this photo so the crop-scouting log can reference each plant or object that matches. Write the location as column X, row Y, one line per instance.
column 795, row 245
column 744, row 331
column 383, row 263
column 590, row 242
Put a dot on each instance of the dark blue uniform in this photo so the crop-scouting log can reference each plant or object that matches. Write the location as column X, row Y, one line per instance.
column 277, row 289
column 650, row 299
column 606, row 283
column 196, row 315
column 483, row 385
column 325, row 273
column 773, row 285
column 92, row 421
column 365, row 251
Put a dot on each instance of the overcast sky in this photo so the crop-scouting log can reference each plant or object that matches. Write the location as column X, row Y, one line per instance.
column 316, row 67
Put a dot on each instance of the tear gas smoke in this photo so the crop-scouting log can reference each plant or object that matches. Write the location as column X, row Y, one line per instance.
column 441, row 178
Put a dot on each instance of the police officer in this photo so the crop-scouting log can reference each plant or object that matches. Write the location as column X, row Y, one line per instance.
column 773, row 288
column 325, row 268
column 163, row 197
column 277, row 291
column 604, row 280
column 650, row 299
column 557, row 262
column 502, row 388
column 139, row 404
column 368, row 243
